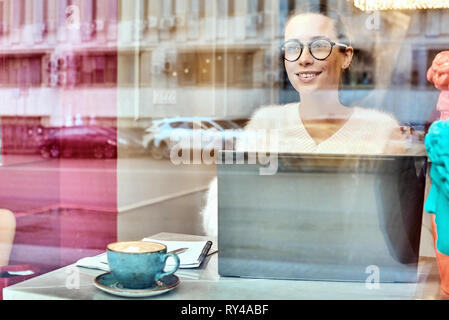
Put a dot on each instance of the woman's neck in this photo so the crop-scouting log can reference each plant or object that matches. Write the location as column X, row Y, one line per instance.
column 322, row 115
column 322, row 105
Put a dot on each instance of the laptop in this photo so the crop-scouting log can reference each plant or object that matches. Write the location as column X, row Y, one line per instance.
column 320, row 217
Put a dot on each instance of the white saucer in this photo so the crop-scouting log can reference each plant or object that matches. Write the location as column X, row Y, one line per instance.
column 107, row 283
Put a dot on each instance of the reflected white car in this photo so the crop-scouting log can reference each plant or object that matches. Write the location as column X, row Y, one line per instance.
column 189, row 134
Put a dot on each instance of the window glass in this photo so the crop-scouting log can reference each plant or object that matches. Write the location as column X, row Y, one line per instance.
column 92, row 90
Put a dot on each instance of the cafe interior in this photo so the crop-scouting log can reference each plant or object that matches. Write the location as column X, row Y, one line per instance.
column 110, row 114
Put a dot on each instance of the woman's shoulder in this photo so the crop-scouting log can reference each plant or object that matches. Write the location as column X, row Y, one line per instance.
column 272, row 116
column 376, row 115
column 379, row 126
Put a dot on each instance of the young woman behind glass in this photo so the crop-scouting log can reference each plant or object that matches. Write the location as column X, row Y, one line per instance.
column 316, row 51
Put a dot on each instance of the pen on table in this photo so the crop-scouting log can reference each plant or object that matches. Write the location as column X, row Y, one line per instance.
column 205, row 251
column 180, row 250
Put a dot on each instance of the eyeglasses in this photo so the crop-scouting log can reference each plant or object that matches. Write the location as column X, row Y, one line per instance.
column 320, row 49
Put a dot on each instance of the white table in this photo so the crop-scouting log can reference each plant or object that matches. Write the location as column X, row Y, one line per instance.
column 205, row 284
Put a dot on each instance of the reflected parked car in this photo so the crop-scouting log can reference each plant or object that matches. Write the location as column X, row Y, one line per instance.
column 79, row 141
column 190, row 133
column 129, row 142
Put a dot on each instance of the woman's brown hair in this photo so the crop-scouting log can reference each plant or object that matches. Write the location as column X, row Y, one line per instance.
column 337, row 20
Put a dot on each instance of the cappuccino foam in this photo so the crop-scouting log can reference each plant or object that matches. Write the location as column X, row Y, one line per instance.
column 136, row 247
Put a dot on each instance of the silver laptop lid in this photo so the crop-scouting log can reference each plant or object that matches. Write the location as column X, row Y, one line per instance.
column 320, row 217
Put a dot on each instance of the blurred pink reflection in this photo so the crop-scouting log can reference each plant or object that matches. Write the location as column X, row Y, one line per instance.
column 58, row 81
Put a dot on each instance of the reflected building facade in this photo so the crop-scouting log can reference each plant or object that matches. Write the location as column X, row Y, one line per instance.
column 61, row 59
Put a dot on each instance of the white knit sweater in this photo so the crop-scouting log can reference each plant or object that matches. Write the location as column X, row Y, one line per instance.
column 367, row 131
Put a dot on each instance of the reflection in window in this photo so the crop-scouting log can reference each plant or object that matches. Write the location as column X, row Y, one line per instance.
column 166, row 59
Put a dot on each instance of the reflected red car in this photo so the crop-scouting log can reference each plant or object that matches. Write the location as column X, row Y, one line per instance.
column 79, row 141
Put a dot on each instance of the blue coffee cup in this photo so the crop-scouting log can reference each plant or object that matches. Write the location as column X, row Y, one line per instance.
column 139, row 264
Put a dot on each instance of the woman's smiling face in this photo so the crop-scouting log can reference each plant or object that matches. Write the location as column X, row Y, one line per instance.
column 308, row 74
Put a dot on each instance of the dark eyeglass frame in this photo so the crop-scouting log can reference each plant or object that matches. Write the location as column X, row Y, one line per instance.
column 309, row 45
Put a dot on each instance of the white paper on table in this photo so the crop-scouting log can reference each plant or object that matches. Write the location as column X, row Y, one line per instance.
column 99, row 262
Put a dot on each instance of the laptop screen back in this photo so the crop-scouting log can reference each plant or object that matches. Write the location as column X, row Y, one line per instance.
column 321, row 217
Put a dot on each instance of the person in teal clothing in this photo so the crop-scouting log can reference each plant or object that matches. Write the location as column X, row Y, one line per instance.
column 437, row 146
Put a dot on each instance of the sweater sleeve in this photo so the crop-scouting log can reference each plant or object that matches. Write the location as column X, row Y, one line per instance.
column 262, row 119
column 209, row 213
